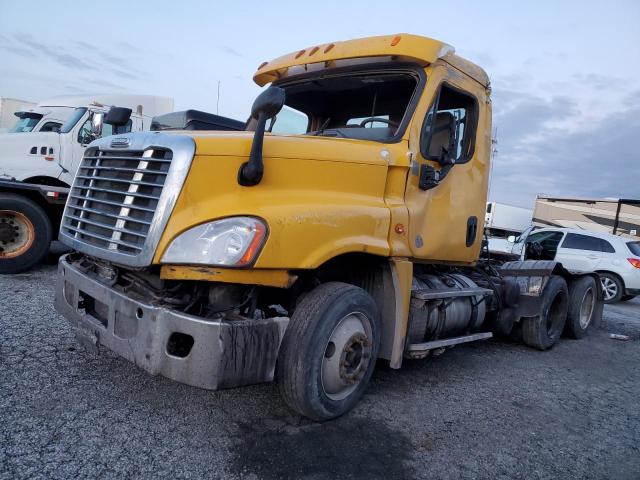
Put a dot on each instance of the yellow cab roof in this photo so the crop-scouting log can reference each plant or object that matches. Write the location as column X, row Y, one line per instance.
column 400, row 47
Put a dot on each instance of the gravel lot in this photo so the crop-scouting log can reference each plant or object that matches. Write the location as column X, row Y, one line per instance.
column 484, row 410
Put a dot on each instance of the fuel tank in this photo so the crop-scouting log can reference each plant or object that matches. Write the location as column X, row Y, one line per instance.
column 445, row 317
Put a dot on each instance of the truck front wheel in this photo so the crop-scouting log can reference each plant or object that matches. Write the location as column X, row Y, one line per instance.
column 329, row 351
column 25, row 233
column 544, row 330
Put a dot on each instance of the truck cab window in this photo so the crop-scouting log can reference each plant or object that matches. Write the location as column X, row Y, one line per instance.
column 290, row 121
column 108, row 129
column 358, row 105
column 51, row 127
column 73, row 120
column 84, row 134
column 449, row 127
column 25, row 124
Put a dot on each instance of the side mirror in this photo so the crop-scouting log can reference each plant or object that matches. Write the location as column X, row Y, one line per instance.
column 97, row 119
column 266, row 106
column 511, row 239
column 118, row 116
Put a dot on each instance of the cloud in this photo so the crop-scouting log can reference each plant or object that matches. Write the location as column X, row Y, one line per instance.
column 521, row 116
column 118, row 64
column 231, row 51
column 597, row 159
column 57, row 54
column 84, row 57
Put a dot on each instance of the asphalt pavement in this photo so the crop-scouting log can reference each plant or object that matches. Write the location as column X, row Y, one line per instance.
column 491, row 409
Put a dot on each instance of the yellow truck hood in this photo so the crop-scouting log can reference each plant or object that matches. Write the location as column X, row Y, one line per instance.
column 238, row 144
column 320, row 197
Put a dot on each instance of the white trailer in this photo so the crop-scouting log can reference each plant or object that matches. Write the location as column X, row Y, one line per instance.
column 503, row 220
column 8, row 106
column 38, row 162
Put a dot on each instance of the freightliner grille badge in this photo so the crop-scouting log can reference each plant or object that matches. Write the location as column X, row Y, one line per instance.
column 120, row 142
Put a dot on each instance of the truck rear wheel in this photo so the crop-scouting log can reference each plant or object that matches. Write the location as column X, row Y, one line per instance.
column 544, row 330
column 583, row 298
column 329, row 351
column 25, row 233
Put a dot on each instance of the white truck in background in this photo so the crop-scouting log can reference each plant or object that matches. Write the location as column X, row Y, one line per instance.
column 8, row 106
column 39, row 159
column 503, row 221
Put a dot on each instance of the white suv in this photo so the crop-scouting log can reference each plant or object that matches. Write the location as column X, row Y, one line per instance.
column 616, row 259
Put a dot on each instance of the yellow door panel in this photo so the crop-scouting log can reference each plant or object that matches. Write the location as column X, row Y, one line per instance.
column 438, row 217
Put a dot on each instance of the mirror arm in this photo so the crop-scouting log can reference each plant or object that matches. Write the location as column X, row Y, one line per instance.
column 430, row 177
column 250, row 173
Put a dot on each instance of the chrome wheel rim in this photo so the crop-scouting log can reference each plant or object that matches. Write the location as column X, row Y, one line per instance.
column 609, row 288
column 17, row 234
column 347, row 356
column 586, row 308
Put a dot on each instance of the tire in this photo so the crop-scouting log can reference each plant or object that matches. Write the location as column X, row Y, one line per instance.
column 312, row 374
column 612, row 287
column 626, row 298
column 583, row 308
column 25, row 233
column 544, row 330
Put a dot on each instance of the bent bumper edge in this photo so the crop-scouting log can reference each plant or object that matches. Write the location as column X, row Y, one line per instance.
column 224, row 353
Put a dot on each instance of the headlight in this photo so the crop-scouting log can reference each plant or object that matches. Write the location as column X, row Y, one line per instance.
column 232, row 241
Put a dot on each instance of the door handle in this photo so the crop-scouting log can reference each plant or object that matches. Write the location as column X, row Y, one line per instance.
column 593, row 257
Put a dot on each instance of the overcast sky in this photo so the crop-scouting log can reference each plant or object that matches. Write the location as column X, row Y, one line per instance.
column 566, row 93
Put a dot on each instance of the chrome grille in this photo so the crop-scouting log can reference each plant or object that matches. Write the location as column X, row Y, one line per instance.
column 123, row 195
column 114, row 198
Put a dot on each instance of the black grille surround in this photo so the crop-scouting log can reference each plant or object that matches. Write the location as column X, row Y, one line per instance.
column 121, row 198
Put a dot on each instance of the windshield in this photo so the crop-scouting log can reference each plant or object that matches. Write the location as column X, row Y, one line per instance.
column 25, row 124
column 634, row 247
column 367, row 106
column 69, row 124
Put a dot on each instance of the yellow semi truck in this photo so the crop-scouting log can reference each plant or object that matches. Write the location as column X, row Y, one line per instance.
column 344, row 226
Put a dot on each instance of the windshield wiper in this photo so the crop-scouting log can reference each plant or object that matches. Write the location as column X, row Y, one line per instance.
column 322, row 127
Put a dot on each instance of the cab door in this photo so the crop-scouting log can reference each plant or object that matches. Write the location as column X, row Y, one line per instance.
column 449, row 142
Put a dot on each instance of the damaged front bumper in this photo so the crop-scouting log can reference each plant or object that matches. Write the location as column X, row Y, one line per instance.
column 204, row 353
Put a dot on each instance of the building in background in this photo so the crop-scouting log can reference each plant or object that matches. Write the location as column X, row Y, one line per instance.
column 616, row 216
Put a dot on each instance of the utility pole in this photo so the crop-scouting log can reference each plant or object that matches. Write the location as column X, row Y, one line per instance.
column 218, row 100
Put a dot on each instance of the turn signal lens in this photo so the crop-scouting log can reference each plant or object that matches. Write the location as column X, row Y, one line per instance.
column 634, row 261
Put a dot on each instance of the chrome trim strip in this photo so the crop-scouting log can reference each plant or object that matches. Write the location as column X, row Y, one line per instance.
column 108, row 190
column 183, row 149
column 105, row 226
column 108, row 202
column 133, row 159
column 103, row 238
column 123, row 169
column 122, row 180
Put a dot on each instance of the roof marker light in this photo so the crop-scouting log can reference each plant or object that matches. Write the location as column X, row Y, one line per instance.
column 314, row 50
column 329, row 47
column 396, row 40
column 263, row 64
column 300, row 53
